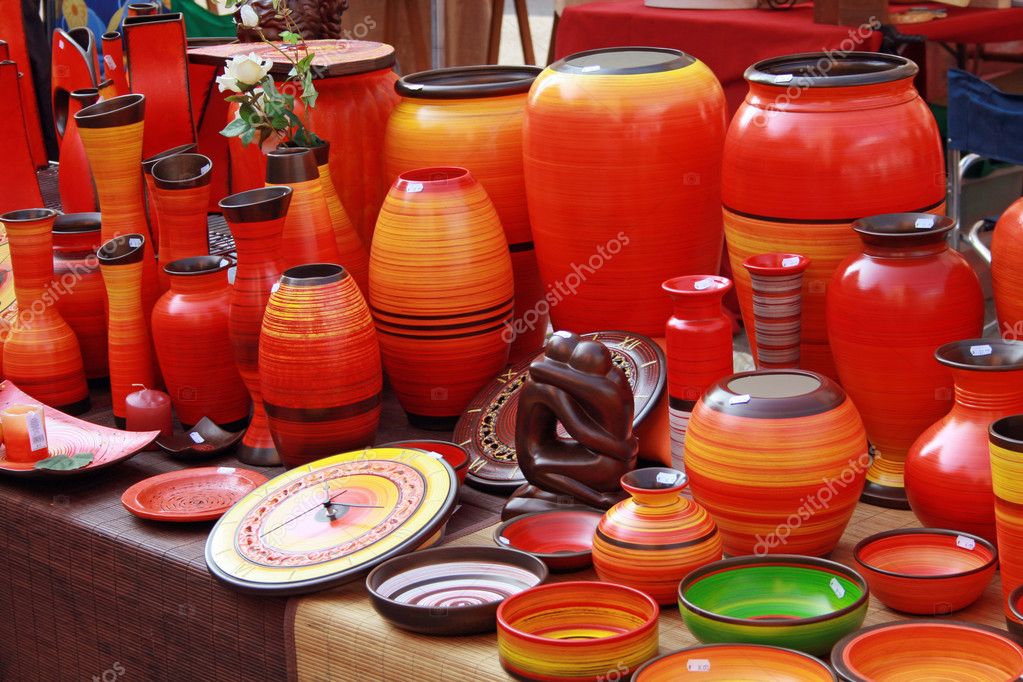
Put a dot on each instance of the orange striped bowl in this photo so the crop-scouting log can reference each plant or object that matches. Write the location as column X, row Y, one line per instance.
column 928, row 571
column 919, row 650
column 576, row 631
column 731, row 662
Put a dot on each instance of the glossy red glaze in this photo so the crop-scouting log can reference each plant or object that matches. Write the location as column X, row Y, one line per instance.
column 73, row 66
column 76, row 273
column 18, row 172
column 776, row 280
column 113, row 62
column 74, row 177
column 147, row 173
column 562, row 539
column 181, row 194
column 1006, row 273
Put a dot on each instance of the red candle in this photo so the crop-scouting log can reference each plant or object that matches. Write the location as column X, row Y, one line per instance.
column 149, row 410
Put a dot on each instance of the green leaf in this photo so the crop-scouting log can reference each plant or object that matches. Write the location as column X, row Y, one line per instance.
column 65, row 463
column 235, row 128
column 247, row 136
column 290, row 38
column 236, row 98
column 309, row 94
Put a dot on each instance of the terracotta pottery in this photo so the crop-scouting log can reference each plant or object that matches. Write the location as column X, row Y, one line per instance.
column 130, row 345
column 190, row 330
column 698, row 340
column 1006, row 447
column 83, row 297
column 41, row 352
column 256, row 218
column 190, row 495
column 1006, row 278
column 576, row 631
column 147, row 173
column 656, row 537
column 18, row 172
column 471, row 116
column 181, row 194
column 858, row 133
column 888, row 308
column 622, row 154
column 308, row 235
column 113, row 62
column 562, row 538
column 1014, row 613
column 354, row 256
column 730, row 662
column 776, row 280
column 790, row 445
column 948, row 469
column 440, row 304
column 74, row 177
column 319, row 365
column 73, row 66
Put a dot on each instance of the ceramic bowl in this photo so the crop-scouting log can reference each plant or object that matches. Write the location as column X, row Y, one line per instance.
column 451, row 590
column 1014, row 613
column 456, row 455
column 731, row 662
column 202, row 441
column 928, row 651
column 575, row 631
column 796, row 602
column 562, row 539
column 926, row 571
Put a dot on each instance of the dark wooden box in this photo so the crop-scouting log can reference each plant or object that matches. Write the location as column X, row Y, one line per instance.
column 850, row 12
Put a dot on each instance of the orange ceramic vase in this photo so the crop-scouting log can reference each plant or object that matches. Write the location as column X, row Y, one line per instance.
column 132, row 360
column 778, row 457
column 74, row 178
column 888, row 308
column 256, row 219
column 190, row 331
column 948, row 470
column 1005, row 438
column 354, row 256
column 181, row 193
column 319, row 365
column 147, row 173
column 652, row 540
column 83, row 298
column 308, row 231
column 441, row 291
column 472, row 117
column 622, row 153
column 41, row 353
column 858, row 134
column 1006, row 273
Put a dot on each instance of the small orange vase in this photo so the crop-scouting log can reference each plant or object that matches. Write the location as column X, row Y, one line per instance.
column 319, row 365
column 181, row 190
column 147, row 173
column 441, row 291
column 308, row 231
column 41, row 354
column 354, row 255
column 1006, row 273
column 83, row 300
column 74, row 178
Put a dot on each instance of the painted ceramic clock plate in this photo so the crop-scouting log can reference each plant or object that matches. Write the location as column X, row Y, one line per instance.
column 331, row 521
column 487, row 427
column 199, row 494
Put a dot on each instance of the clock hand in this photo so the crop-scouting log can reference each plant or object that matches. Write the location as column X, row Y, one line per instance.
column 328, row 504
column 360, row 506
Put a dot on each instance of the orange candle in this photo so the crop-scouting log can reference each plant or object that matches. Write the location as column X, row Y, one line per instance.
column 24, row 429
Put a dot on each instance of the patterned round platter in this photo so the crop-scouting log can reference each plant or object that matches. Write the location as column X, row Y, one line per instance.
column 330, row 521
column 487, row 427
column 201, row 494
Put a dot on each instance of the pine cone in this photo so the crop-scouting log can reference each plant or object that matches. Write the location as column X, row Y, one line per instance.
column 314, row 19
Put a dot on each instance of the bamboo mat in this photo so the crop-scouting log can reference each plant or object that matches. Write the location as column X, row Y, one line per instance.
column 338, row 636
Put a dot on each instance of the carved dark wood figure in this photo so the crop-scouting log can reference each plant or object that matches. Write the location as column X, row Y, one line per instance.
column 577, row 385
column 314, row 18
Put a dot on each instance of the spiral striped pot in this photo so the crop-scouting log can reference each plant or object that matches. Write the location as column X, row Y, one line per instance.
column 354, row 256
column 656, row 537
column 308, row 235
column 181, row 185
column 147, row 174
column 319, row 365
column 1006, row 447
column 441, row 291
column 778, row 458
column 472, row 117
column 776, row 280
column 576, row 632
column 41, row 353
column 256, row 219
column 76, row 236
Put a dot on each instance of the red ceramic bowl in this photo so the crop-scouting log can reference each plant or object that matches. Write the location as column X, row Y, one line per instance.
column 731, row 662
column 1014, row 614
column 455, row 455
column 562, row 539
column 926, row 571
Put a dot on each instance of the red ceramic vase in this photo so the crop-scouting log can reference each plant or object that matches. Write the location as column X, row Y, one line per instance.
column 776, row 280
column 181, row 193
column 698, row 338
column 1006, row 273
column 74, row 177
column 948, row 470
column 147, row 173
column 354, row 256
column 18, row 172
column 113, row 62
column 76, row 276
column 308, row 235
column 73, row 66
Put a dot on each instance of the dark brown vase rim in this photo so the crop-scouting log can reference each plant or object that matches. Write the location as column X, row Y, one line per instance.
column 999, row 356
column 313, row 275
column 152, row 19
column 903, row 229
column 198, row 265
column 432, row 175
column 645, row 480
column 1007, row 432
column 320, row 151
column 830, row 70
column 28, row 215
column 116, row 111
column 83, row 39
column 826, row 396
column 623, row 61
column 1014, row 599
column 182, row 171
column 895, row 532
column 286, row 165
column 87, row 96
column 78, row 223
column 468, row 82
column 124, row 250
column 257, row 205
column 147, row 164
column 693, row 653
column 111, row 35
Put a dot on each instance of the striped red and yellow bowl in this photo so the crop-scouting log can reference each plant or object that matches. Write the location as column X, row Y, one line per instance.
column 735, row 663
column 576, row 631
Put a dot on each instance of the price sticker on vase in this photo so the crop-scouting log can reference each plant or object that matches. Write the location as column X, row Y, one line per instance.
column 739, row 399
column 703, row 284
column 980, row 351
column 924, row 223
column 790, row 262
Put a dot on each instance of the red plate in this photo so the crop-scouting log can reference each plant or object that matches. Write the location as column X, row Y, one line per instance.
column 202, row 494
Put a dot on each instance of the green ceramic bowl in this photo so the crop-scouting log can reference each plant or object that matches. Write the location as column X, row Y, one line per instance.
column 781, row 600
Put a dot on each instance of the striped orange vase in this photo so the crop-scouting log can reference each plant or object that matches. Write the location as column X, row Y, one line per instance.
column 41, row 353
column 776, row 280
column 472, row 117
column 83, row 298
column 132, row 360
column 256, row 219
column 181, row 193
column 308, row 232
column 354, row 256
column 441, row 291
column 778, row 457
column 1006, row 451
column 74, row 178
column 1006, row 274
column 622, row 153
column 319, row 365
column 858, row 133
column 147, row 173
column 654, row 539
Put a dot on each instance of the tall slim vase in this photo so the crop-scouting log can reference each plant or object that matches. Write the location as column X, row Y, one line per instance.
column 41, row 354
column 308, row 235
column 256, row 219
column 74, row 178
column 1005, row 438
column 147, row 173
column 353, row 254
column 776, row 280
column 83, row 298
column 18, row 171
column 113, row 61
column 181, row 194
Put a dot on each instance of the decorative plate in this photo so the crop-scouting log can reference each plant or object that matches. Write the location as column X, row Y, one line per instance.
column 201, row 494
column 331, row 521
column 70, row 436
column 487, row 427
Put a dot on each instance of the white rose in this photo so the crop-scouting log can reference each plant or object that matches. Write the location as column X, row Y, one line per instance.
column 226, row 82
column 247, row 70
column 247, row 17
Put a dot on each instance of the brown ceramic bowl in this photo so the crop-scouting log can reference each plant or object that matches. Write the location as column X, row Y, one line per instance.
column 562, row 539
column 202, row 441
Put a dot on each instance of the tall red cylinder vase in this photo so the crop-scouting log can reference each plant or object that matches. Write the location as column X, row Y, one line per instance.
column 181, row 193
column 776, row 280
column 308, row 235
column 83, row 297
column 74, row 177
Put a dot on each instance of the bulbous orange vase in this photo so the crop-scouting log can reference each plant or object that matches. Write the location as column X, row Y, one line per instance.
column 622, row 158
column 852, row 127
column 181, row 193
column 41, row 353
column 308, row 235
column 83, row 300
column 1006, row 273
column 441, row 292
column 472, row 117
column 354, row 256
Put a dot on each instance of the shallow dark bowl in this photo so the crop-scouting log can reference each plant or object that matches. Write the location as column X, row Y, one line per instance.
column 562, row 539
column 455, row 455
column 202, row 441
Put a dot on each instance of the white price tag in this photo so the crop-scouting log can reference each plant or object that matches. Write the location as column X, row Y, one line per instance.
column 837, row 588
column 134, row 242
column 790, row 262
column 739, row 399
column 667, row 478
column 783, row 78
column 60, row 44
column 591, row 67
column 275, row 287
column 110, row 63
column 225, row 470
column 965, row 542
column 698, row 665
column 978, row 351
column 924, row 223
column 196, row 437
column 704, row 284
column 36, row 431
column 414, row 187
